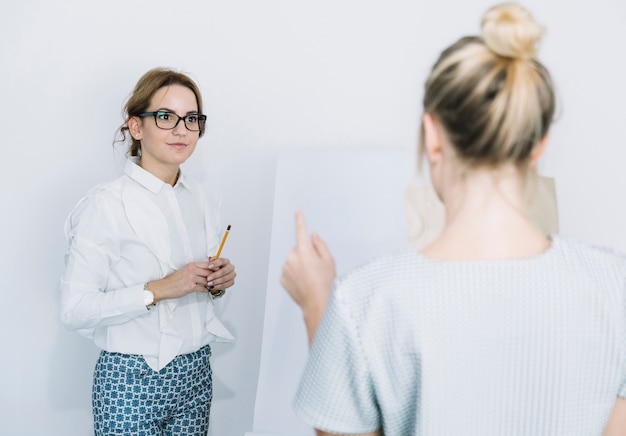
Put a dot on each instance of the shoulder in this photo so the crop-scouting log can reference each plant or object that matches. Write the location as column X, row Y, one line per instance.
column 585, row 255
column 103, row 193
column 583, row 265
column 397, row 260
column 97, row 205
column 381, row 272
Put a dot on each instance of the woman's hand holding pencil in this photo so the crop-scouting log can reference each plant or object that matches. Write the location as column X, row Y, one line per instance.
column 223, row 273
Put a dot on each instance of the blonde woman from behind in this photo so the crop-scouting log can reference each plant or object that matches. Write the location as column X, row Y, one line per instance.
column 494, row 328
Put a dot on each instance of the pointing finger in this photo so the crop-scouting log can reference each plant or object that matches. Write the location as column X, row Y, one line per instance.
column 302, row 234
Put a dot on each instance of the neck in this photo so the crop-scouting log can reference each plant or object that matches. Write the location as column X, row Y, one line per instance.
column 486, row 218
column 169, row 174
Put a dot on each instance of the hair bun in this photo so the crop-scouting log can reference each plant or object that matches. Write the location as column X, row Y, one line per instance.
column 509, row 30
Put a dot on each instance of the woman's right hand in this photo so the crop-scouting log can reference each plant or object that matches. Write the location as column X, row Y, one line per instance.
column 308, row 274
column 190, row 278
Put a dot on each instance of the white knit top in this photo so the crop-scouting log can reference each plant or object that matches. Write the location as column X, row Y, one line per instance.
column 526, row 347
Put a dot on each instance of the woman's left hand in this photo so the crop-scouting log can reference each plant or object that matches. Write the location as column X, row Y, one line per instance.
column 222, row 276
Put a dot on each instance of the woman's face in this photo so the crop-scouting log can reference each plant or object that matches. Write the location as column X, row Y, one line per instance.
column 162, row 151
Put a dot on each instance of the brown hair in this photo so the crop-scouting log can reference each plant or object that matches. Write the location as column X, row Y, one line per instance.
column 141, row 96
column 494, row 99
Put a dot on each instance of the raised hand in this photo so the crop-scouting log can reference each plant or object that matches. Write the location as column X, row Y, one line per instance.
column 308, row 274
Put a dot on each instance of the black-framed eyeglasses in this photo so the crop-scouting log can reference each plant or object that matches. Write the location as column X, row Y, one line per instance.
column 169, row 120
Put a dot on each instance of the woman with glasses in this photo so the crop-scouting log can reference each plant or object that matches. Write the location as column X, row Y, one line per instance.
column 140, row 279
column 495, row 328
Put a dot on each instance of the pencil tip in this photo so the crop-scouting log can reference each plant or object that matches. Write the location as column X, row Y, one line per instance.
column 228, row 228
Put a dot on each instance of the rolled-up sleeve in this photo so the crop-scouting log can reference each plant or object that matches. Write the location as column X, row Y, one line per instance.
column 336, row 393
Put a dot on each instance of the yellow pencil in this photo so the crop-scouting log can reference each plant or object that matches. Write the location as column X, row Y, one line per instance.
column 219, row 250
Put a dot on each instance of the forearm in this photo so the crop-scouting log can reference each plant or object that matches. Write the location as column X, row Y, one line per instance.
column 162, row 289
column 312, row 317
column 84, row 306
column 616, row 426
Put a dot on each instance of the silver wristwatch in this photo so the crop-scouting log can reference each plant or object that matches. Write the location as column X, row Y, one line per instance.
column 148, row 297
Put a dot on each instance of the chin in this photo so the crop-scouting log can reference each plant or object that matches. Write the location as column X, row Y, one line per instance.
column 180, row 158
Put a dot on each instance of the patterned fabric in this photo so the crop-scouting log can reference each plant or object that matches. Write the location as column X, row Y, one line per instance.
column 525, row 347
column 130, row 398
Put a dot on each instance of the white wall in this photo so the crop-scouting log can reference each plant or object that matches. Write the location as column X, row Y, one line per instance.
column 275, row 75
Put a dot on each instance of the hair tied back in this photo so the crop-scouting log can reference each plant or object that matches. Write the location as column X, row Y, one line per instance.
column 509, row 30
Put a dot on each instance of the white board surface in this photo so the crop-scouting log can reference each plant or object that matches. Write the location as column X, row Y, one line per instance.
column 354, row 200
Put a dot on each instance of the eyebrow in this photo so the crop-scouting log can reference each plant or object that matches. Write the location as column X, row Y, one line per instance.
column 164, row 109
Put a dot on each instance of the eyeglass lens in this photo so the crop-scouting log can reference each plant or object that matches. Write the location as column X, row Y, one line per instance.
column 169, row 120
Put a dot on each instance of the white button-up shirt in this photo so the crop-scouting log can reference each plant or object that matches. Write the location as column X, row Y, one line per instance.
column 128, row 232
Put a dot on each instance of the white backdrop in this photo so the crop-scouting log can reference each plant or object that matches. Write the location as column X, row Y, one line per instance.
column 275, row 75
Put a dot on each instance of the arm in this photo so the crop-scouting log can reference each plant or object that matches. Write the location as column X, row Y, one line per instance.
column 211, row 276
column 86, row 305
column 90, row 298
column 616, row 426
column 93, row 248
column 308, row 275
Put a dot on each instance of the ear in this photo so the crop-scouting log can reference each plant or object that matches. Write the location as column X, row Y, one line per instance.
column 432, row 139
column 134, row 127
column 538, row 151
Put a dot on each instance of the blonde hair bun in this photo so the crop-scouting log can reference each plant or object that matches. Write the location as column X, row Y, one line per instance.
column 509, row 30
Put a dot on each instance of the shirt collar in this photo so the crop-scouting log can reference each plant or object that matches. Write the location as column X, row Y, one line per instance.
column 148, row 180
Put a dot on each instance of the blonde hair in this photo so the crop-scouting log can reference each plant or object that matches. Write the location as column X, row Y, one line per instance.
column 492, row 96
column 140, row 99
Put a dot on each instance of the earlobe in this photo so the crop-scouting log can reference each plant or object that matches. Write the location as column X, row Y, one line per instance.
column 538, row 151
column 432, row 139
column 134, row 127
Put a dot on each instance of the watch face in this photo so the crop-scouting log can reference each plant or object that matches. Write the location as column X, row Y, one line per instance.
column 148, row 297
column 219, row 293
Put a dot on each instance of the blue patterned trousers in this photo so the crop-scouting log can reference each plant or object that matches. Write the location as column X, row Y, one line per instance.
column 130, row 398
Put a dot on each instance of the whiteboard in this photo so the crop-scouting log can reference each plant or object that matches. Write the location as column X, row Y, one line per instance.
column 355, row 200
